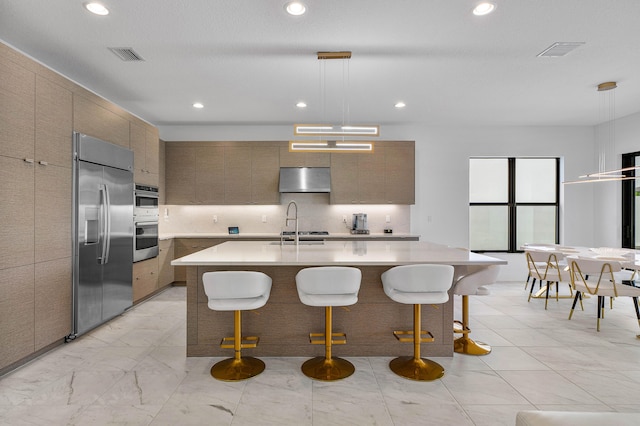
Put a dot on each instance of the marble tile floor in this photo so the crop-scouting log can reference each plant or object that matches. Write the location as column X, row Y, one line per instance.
column 133, row 371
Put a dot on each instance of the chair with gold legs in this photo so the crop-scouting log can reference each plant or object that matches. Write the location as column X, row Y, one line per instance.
column 549, row 266
column 417, row 285
column 603, row 283
column 328, row 286
column 237, row 291
column 468, row 285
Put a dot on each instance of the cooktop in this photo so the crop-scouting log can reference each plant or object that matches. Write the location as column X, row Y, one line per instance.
column 305, row 232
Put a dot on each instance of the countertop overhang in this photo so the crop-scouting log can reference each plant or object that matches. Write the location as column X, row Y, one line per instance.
column 356, row 253
column 272, row 235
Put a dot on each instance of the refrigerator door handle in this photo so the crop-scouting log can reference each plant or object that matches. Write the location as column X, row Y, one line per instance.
column 106, row 223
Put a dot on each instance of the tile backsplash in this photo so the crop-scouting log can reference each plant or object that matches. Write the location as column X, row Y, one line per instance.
column 314, row 214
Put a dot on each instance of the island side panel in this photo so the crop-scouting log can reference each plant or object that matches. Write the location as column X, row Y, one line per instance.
column 284, row 323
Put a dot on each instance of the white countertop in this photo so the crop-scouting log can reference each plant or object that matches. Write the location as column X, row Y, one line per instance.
column 245, row 236
column 363, row 253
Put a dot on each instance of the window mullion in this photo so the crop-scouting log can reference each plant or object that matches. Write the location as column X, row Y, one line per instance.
column 512, row 205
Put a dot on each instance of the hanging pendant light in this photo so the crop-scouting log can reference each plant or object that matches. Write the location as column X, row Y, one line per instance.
column 340, row 130
column 607, row 142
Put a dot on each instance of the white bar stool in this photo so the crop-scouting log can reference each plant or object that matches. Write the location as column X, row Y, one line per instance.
column 328, row 286
column 417, row 285
column 471, row 284
column 237, row 291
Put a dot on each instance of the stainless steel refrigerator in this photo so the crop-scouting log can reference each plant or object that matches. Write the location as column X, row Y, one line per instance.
column 103, row 232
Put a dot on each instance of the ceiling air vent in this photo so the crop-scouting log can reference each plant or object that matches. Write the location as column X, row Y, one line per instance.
column 560, row 48
column 126, row 54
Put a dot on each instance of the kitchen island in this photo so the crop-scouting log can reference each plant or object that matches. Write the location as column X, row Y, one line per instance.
column 284, row 323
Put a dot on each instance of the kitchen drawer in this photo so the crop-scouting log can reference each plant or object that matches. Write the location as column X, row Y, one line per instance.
column 145, row 278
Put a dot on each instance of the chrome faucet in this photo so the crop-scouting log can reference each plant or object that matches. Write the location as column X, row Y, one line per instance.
column 294, row 218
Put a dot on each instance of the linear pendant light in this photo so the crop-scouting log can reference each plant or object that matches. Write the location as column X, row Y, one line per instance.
column 335, row 130
column 330, row 146
column 603, row 175
column 343, row 130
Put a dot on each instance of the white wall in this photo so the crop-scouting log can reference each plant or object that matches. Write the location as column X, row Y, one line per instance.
column 607, row 208
column 442, row 153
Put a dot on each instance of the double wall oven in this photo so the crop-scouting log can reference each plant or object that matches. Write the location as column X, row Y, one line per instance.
column 145, row 219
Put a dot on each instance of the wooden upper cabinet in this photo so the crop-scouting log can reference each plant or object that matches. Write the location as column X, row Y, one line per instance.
column 180, row 174
column 248, row 173
column 209, row 164
column 344, row 179
column 371, row 177
column 357, row 178
column 400, row 179
column 137, row 135
column 265, row 175
column 145, row 147
column 237, row 175
column 97, row 121
column 386, row 176
column 54, row 124
column 17, row 107
column 152, row 153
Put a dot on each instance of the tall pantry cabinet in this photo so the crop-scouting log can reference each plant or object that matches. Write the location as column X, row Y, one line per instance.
column 39, row 109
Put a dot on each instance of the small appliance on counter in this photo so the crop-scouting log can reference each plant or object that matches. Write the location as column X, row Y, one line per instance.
column 359, row 224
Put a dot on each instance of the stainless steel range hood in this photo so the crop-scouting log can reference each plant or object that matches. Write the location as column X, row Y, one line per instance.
column 305, row 179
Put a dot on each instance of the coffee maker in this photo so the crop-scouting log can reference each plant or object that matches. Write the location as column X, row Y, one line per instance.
column 359, row 224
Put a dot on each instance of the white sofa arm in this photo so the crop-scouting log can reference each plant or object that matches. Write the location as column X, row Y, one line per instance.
column 571, row 418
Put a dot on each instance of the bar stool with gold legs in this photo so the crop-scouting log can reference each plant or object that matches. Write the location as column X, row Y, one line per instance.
column 328, row 286
column 469, row 285
column 417, row 285
column 237, row 291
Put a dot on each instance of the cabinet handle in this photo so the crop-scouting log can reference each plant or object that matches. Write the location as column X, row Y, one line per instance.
column 29, row 160
column 43, row 163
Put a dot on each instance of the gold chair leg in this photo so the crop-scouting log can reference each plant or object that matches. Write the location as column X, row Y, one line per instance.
column 237, row 368
column 328, row 367
column 415, row 367
column 466, row 345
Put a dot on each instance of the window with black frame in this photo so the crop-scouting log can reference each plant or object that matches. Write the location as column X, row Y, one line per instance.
column 513, row 201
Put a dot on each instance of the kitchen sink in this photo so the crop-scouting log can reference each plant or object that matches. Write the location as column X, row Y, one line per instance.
column 301, row 242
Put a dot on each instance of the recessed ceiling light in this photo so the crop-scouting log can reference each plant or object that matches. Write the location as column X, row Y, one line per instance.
column 97, row 8
column 198, row 105
column 295, row 8
column 400, row 104
column 484, row 8
column 301, row 105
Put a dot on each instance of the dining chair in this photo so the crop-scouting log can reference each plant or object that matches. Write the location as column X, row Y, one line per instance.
column 549, row 266
column 602, row 283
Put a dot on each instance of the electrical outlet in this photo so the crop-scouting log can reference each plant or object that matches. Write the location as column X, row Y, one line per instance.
column 215, row 218
column 387, row 218
column 264, row 218
column 344, row 218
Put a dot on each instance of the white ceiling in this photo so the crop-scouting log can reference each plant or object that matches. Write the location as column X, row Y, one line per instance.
column 249, row 62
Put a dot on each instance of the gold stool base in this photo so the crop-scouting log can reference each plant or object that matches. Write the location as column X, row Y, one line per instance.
column 467, row 346
column 321, row 368
column 416, row 369
column 231, row 369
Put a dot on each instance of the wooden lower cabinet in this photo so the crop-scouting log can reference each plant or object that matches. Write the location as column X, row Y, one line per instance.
column 52, row 301
column 145, row 278
column 164, row 259
column 16, row 314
